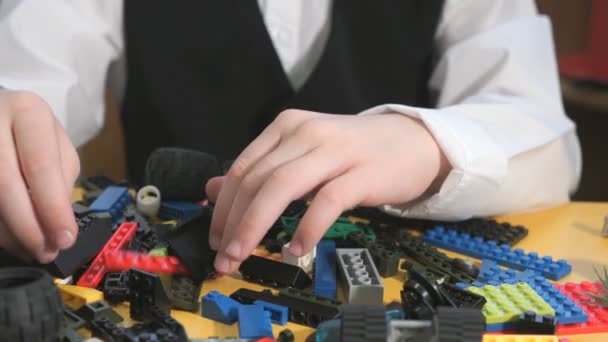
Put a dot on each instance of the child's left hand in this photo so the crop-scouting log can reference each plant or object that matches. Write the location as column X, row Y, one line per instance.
column 340, row 160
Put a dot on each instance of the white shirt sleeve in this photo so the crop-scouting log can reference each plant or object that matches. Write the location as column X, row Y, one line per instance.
column 61, row 50
column 499, row 117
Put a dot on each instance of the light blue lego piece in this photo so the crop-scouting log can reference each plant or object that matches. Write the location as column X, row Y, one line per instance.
column 113, row 200
column 220, row 308
column 566, row 311
column 278, row 313
column 325, row 269
column 254, row 322
column 476, row 247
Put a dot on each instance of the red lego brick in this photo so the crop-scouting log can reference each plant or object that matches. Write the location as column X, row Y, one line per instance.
column 118, row 241
column 120, row 261
column 598, row 316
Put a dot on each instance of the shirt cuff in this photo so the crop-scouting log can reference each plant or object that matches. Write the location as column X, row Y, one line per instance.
column 478, row 165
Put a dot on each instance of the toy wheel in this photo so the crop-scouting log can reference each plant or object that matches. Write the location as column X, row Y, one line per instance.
column 30, row 306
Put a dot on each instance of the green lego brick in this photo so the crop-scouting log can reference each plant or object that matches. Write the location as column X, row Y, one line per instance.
column 159, row 251
column 507, row 301
column 339, row 230
column 165, row 279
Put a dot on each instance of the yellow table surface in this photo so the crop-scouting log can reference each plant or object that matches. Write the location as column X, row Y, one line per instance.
column 571, row 232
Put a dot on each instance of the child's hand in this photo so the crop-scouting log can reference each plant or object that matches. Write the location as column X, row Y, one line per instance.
column 341, row 160
column 38, row 167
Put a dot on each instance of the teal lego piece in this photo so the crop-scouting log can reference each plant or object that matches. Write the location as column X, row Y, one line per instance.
column 506, row 302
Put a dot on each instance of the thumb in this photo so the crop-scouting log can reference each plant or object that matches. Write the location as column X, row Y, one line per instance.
column 213, row 187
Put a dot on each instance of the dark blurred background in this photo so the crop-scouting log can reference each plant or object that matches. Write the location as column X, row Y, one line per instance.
column 580, row 29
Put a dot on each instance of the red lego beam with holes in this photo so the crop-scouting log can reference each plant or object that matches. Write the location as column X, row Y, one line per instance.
column 98, row 269
column 120, row 261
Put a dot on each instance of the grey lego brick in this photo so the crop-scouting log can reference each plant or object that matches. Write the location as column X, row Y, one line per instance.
column 360, row 278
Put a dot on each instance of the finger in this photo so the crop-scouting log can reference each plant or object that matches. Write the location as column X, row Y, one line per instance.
column 273, row 197
column 69, row 159
column 38, row 152
column 16, row 209
column 213, row 187
column 338, row 195
column 248, row 188
column 262, row 145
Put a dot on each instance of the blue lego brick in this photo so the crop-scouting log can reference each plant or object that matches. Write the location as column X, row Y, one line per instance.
column 113, row 200
column 506, row 326
column 278, row 313
column 178, row 210
column 503, row 254
column 254, row 322
column 217, row 307
column 325, row 269
column 566, row 311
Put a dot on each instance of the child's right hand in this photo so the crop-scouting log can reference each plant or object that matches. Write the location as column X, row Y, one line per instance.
column 38, row 168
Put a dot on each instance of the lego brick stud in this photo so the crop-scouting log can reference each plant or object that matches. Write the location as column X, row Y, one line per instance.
column 148, row 200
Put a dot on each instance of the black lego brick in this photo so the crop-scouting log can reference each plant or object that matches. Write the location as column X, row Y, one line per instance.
column 459, row 298
column 94, row 231
column 304, row 308
column 184, row 293
column 115, row 287
column 428, row 256
column 532, row 324
column 274, row 273
column 146, row 292
column 190, row 243
column 93, row 310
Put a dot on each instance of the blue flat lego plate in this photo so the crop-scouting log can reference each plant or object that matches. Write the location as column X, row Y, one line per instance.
column 503, row 254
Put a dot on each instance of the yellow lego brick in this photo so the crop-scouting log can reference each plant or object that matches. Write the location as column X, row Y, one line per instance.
column 77, row 296
column 519, row 338
column 506, row 302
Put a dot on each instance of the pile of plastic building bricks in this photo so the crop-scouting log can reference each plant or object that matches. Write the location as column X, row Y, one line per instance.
column 148, row 246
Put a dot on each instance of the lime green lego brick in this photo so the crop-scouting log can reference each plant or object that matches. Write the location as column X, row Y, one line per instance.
column 507, row 301
column 159, row 251
column 165, row 279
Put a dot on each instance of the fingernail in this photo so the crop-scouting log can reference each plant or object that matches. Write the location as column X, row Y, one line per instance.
column 46, row 255
column 213, row 242
column 233, row 249
column 64, row 239
column 221, row 264
column 295, row 248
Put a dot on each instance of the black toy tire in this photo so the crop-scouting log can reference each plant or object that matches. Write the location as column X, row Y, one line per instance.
column 30, row 306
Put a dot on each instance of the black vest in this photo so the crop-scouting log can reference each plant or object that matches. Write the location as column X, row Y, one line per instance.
column 204, row 74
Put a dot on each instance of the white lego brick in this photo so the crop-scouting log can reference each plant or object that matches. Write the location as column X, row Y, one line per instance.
column 305, row 262
column 410, row 331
